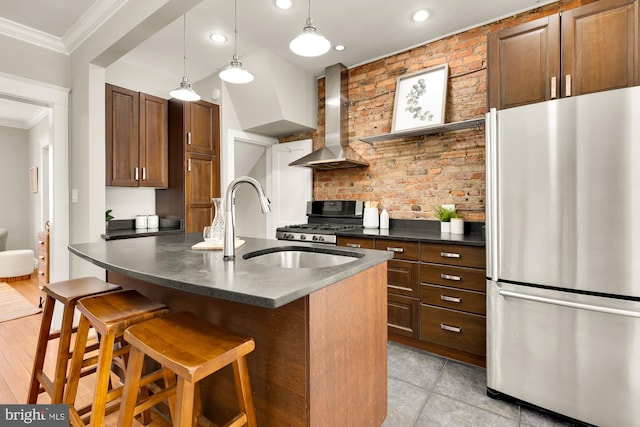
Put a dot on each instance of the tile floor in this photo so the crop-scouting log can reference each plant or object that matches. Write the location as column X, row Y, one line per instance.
column 429, row 390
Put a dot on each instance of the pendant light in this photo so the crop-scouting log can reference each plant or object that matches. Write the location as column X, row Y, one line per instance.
column 235, row 73
column 309, row 42
column 184, row 91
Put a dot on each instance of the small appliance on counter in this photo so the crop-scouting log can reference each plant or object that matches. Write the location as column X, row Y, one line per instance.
column 325, row 218
column 128, row 228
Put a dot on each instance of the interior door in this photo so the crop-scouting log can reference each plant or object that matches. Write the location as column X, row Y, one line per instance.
column 292, row 185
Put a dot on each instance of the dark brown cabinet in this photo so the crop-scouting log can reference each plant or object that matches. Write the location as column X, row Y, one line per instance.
column 136, row 139
column 194, row 164
column 583, row 50
column 436, row 296
column 403, row 287
column 452, row 297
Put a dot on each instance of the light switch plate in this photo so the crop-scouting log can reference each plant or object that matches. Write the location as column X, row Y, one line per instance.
column 449, row 207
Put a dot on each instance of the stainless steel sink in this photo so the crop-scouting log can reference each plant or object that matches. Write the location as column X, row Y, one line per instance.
column 301, row 257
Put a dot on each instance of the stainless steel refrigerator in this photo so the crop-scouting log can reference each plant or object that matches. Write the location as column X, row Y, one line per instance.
column 563, row 256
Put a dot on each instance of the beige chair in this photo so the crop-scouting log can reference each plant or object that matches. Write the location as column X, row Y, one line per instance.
column 3, row 238
column 16, row 265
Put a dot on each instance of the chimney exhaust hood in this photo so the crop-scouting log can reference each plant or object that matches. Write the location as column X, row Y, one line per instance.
column 336, row 153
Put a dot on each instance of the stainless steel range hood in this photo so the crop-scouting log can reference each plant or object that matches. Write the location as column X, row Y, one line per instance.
column 336, row 153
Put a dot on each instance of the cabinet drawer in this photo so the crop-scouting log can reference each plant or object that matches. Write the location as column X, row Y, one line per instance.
column 466, row 256
column 455, row 277
column 456, row 299
column 355, row 242
column 400, row 249
column 402, row 315
column 453, row 329
column 402, row 278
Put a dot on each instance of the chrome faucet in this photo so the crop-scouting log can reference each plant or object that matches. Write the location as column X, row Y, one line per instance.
column 230, row 211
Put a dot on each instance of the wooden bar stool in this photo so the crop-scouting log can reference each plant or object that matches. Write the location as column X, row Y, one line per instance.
column 110, row 314
column 192, row 349
column 67, row 292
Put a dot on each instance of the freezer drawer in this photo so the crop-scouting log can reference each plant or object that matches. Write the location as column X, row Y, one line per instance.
column 577, row 355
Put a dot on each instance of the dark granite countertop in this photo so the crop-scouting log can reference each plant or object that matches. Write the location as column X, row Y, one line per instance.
column 126, row 229
column 421, row 231
column 170, row 261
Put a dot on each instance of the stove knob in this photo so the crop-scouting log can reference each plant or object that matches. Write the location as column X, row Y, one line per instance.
column 320, row 238
column 288, row 236
column 315, row 238
column 303, row 237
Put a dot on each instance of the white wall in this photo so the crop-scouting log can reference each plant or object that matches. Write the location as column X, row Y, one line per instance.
column 14, row 191
column 38, row 135
column 35, row 63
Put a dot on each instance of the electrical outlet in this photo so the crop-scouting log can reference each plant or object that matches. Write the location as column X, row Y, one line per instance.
column 74, row 196
column 449, row 207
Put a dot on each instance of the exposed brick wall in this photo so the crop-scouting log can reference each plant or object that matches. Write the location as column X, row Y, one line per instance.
column 411, row 176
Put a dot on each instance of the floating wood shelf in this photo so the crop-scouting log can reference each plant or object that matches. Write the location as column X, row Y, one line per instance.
column 428, row 130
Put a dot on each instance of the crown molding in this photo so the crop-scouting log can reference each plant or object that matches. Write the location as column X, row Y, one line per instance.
column 31, row 35
column 90, row 21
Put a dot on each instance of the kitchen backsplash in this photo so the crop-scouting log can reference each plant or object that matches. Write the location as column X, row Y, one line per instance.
column 410, row 177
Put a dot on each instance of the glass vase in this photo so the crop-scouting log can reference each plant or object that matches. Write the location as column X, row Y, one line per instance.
column 217, row 225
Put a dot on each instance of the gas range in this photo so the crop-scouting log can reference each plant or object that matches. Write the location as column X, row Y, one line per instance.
column 326, row 218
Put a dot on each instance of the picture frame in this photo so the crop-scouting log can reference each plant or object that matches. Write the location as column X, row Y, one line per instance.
column 33, row 179
column 420, row 99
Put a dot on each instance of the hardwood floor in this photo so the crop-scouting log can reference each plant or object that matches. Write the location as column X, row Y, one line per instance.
column 17, row 347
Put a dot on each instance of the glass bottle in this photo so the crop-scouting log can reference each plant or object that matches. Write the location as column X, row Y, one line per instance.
column 217, row 225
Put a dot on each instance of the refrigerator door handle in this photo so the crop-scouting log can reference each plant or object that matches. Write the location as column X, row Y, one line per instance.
column 563, row 303
column 492, row 220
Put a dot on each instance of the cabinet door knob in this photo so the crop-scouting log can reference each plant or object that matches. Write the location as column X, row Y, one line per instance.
column 553, row 88
column 450, row 255
column 189, row 165
column 188, row 138
column 567, row 85
column 450, row 299
column 353, row 245
column 449, row 277
column 392, row 249
column 450, row 328
column 41, row 257
column 135, row 173
column 144, row 174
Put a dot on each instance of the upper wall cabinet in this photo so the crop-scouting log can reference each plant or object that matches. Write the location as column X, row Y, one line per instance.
column 136, row 139
column 583, row 50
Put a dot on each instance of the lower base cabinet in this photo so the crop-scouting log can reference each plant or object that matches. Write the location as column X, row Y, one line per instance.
column 436, row 297
column 403, row 315
column 453, row 329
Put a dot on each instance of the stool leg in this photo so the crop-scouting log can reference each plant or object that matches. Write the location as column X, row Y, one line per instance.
column 243, row 389
column 131, row 387
column 41, row 349
column 76, row 364
column 103, row 373
column 170, row 381
column 60, row 375
column 184, row 404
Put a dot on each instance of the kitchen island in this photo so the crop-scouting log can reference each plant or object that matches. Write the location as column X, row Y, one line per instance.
column 320, row 333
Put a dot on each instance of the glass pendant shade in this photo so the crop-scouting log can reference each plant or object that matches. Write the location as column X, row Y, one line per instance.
column 184, row 92
column 235, row 73
column 309, row 42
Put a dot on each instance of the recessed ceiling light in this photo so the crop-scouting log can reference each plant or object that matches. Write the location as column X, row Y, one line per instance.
column 218, row 38
column 284, row 4
column 420, row 16
column 339, row 47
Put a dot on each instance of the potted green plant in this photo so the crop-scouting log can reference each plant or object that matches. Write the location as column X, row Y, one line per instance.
column 107, row 217
column 444, row 215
